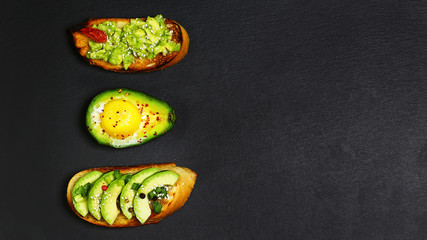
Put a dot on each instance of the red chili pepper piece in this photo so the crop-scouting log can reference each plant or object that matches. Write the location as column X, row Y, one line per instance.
column 96, row 35
column 104, row 187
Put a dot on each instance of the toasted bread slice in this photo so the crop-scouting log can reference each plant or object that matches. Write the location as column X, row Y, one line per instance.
column 178, row 194
column 180, row 35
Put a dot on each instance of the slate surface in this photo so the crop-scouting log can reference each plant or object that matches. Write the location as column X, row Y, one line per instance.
column 303, row 119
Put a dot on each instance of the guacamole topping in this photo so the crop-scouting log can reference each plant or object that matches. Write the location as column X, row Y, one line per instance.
column 143, row 39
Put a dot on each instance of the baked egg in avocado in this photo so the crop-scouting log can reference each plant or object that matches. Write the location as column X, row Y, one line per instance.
column 123, row 118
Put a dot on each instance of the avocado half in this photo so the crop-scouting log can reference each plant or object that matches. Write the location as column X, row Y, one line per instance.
column 123, row 118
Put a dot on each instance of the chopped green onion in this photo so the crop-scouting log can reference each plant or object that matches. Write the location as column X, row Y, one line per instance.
column 83, row 190
column 78, row 198
column 151, row 194
column 109, row 179
column 157, row 207
column 117, row 174
column 127, row 178
column 86, row 189
column 136, row 186
column 161, row 192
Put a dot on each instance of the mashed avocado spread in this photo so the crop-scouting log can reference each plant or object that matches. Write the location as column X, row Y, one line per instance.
column 135, row 39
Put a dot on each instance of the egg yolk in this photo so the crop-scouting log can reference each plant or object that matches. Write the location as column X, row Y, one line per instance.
column 120, row 119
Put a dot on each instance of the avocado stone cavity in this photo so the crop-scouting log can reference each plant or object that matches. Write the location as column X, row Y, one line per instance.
column 122, row 118
column 141, row 202
column 128, row 194
column 143, row 39
column 96, row 192
column 109, row 210
column 79, row 201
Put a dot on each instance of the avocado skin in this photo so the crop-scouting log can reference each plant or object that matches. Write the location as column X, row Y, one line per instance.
column 129, row 95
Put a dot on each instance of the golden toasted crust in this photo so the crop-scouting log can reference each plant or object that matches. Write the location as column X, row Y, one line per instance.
column 179, row 194
column 180, row 35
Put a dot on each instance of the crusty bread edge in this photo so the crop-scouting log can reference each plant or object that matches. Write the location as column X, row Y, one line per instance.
column 184, row 48
column 183, row 189
column 82, row 43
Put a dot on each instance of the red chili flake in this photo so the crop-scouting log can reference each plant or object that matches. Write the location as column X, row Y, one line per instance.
column 104, row 187
column 157, row 118
column 120, row 90
column 96, row 35
column 90, row 129
column 146, row 105
column 111, row 97
column 155, row 133
column 145, row 136
column 157, row 112
column 103, row 130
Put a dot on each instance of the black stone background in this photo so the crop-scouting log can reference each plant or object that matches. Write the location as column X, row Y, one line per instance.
column 303, row 119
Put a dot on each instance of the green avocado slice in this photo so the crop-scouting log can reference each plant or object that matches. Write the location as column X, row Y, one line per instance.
column 79, row 200
column 96, row 192
column 109, row 209
column 141, row 204
column 156, row 118
column 128, row 194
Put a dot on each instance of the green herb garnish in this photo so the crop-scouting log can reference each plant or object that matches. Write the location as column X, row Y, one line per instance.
column 152, row 194
column 157, row 207
column 161, row 192
column 83, row 190
column 117, row 174
column 127, row 178
column 135, row 186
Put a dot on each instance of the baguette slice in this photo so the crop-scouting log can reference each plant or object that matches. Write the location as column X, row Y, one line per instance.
column 180, row 35
column 179, row 194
